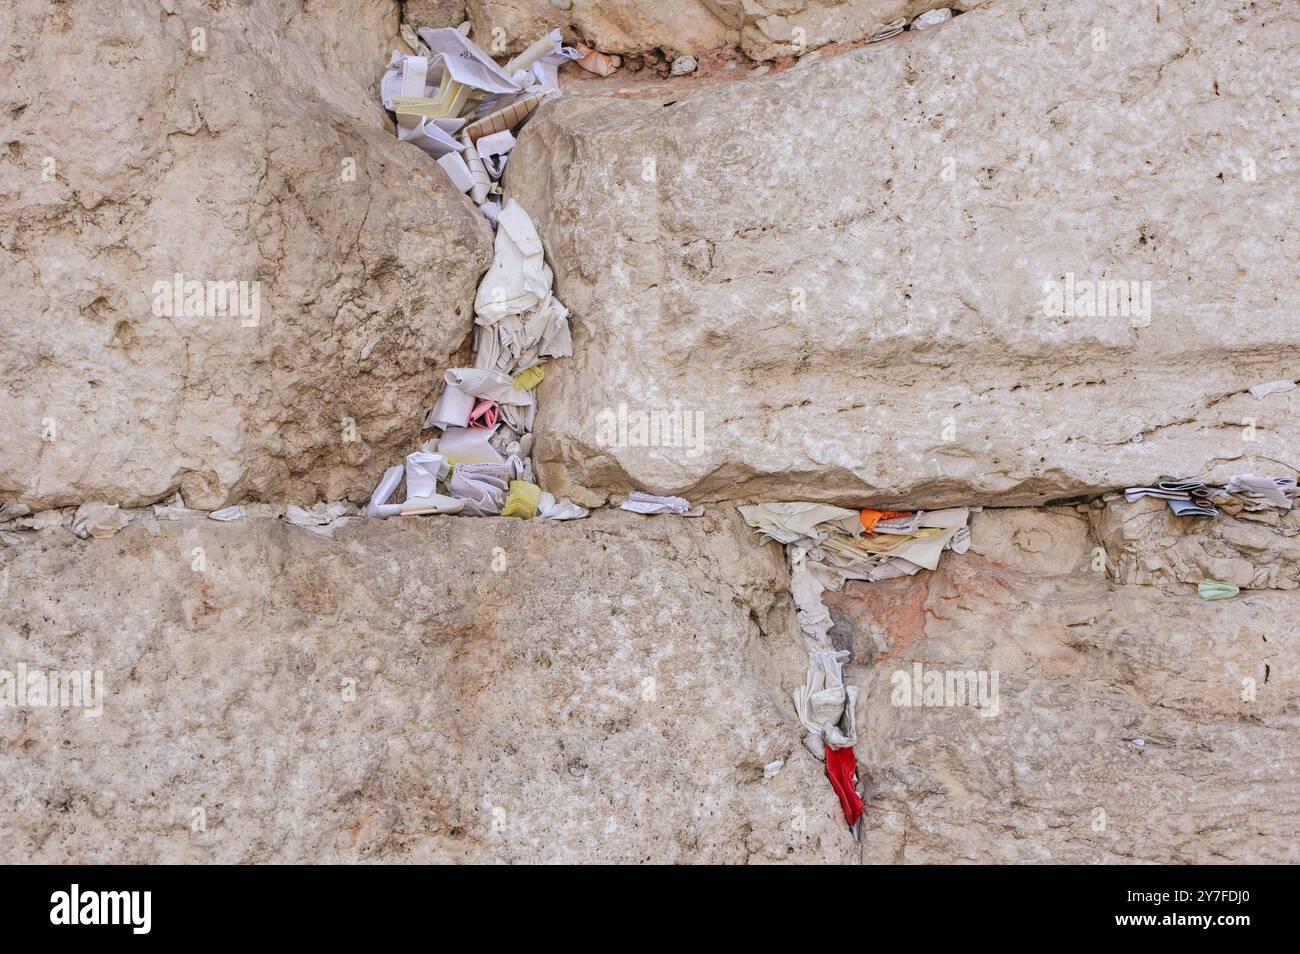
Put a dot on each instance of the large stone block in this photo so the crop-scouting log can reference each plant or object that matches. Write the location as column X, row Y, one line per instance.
column 844, row 276
column 613, row 26
column 1128, row 725
column 762, row 29
column 1145, row 543
column 411, row 690
column 246, row 144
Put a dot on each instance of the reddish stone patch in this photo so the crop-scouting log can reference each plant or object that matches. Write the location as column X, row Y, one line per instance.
column 898, row 606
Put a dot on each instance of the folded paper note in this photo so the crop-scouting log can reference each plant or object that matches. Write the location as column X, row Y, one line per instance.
column 519, row 279
column 787, row 522
column 423, row 471
column 463, row 62
column 552, row 509
column 481, row 486
column 406, row 77
column 522, row 500
column 951, row 519
column 457, row 171
column 494, row 150
column 469, row 445
column 1216, row 590
column 885, row 31
column 430, row 136
column 1192, row 508
column 639, row 502
column 1273, row 490
column 485, row 383
column 825, row 704
column 1272, row 387
column 452, row 410
column 1166, row 489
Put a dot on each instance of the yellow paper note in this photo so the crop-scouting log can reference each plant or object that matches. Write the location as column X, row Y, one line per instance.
column 529, row 378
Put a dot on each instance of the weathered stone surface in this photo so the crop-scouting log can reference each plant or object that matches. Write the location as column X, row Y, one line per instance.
column 840, row 269
column 845, row 314
column 1146, row 543
column 622, row 26
column 1122, row 700
column 1049, row 542
column 433, row 13
column 762, row 29
column 611, row 695
column 137, row 149
column 772, row 29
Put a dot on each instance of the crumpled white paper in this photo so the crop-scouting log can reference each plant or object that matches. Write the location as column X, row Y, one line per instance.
column 825, row 705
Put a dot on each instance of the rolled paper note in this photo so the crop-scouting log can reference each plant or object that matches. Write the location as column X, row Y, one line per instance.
column 886, row 30
column 1192, row 508
column 507, row 117
column 433, row 503
column 379, row 505
column 482, row 181
column 1216, row 590
column 535, row 52
column 485, row 413
column 596, row 62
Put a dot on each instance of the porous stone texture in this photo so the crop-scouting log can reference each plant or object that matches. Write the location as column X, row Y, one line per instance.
column 832, row 277
column 143, row 140
column 774, row 28
column 761, row 29
column 411, row 690
column 494, row 690
column 621, row 26
column 433, row 13
column 1130, row 725
column 1145, row 543
column 841, row 274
